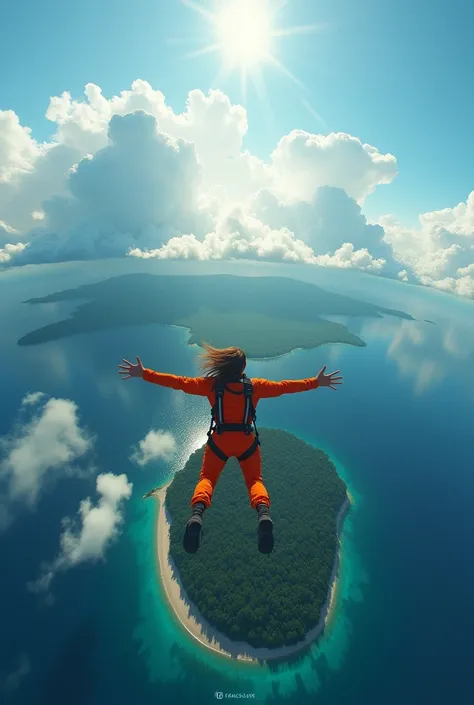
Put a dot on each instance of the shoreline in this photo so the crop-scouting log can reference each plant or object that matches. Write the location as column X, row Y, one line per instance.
column 279, row 355
column 200, row 629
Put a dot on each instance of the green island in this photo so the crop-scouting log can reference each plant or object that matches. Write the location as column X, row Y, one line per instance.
column 266, row 316
column 264, row 600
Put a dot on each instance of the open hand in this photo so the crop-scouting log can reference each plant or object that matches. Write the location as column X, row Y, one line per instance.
column 329, row 380
column 129, row 370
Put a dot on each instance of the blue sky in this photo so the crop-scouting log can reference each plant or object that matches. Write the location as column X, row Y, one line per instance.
column 382, row 88
column 396, row 75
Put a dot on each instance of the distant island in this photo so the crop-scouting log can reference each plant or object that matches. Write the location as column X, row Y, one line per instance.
column 266, row 316
column 251, row 604
column 427, row 320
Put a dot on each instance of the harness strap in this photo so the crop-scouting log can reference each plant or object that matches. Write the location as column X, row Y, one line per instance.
column 242, row 427
column 216, row 450
column 253, row 448
column 219, row 426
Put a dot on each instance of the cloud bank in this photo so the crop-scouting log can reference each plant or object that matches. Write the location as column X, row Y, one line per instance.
column 88, row 537
column 128, row 175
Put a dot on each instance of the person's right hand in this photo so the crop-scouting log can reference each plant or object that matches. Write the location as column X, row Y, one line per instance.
column 129, row 370
column 329, row 380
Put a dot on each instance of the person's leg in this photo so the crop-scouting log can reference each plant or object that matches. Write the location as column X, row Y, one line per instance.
column 252, row 472
column 211, row 468
column 259, row 499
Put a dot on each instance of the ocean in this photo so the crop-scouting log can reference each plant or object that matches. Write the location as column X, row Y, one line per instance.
column 401, row 432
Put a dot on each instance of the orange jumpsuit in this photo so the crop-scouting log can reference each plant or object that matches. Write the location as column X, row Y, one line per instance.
column 232, row 443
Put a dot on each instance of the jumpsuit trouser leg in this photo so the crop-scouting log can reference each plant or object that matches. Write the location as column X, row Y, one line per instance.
column 234, row 445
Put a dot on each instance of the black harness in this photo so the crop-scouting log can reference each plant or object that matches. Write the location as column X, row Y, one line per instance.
column 217, row 418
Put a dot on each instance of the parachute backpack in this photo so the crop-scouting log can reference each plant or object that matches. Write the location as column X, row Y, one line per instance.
column 219, row 426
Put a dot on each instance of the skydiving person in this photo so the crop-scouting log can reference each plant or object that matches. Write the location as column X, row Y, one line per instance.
column 233, row 398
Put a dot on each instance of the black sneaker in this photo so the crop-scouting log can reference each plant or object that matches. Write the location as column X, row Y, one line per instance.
column 265, row 529
column 193, row 531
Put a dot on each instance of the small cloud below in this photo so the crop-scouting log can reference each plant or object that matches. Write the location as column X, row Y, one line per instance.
column 156, row 444
column 38, row 451
column 11, row 250
column 32, row 399
column 87, row 537
column 37, row 215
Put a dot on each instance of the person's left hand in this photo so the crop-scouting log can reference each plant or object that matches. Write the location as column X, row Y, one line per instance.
column 130, row 370
column 329, row 380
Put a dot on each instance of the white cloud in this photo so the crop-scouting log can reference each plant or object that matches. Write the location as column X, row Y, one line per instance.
column 156, row 444
column 441, row 250
column 18, row 150
column 143, row 187
column 243, row 236
column 128, row 175
column 40, row 450
column 347, row 257
column 237, row 236
column 303, row 162
column 8, row 234
column 32, row 399
column 9, row 251
column 326, row 223
column 98, row 197
column 88, row 537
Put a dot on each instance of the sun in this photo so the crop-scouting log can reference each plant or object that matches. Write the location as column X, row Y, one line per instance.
column 244, row 34
column 244, row 31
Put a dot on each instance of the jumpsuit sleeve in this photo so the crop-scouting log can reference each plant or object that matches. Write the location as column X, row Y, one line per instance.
column 265, row 389
column 191, row 385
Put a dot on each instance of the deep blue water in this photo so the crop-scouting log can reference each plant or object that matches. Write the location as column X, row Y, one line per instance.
column 401, row 431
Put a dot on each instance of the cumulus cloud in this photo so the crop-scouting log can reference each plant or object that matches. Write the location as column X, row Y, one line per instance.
column 326, row 223
column 39, row 450
column 237, row 236
column 240, row 235
column 303, row 162
column 142, row 186
column 9, row 251
column 10, row 244
column 87, row 537
column 347, row 257
column 8, row 234
column 440, row 251
column 18, row 150
column 155, row 445
column 32, row 398
column 128, row 175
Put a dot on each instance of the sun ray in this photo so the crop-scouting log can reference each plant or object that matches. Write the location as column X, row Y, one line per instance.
column 210, row 49
column 199, row 9
column 300, row 29
column 286, row 72
column 243, row 84
column 314, row 113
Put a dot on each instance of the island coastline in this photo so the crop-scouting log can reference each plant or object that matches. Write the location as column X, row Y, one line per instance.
column 200, row 629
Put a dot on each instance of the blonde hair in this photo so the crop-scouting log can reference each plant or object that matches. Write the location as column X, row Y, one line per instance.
column 226, row 363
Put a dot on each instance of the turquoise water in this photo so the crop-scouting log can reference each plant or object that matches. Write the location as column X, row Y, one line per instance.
column 401, row 433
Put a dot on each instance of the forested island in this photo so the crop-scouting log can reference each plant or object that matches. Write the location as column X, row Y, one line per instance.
column 266, row 316
column 263, row 600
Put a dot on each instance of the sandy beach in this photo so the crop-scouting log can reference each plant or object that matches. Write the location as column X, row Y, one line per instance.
column 200, row 629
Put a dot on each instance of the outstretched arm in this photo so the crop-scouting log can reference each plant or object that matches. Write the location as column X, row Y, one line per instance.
column 265, row 388
column 191, row 385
